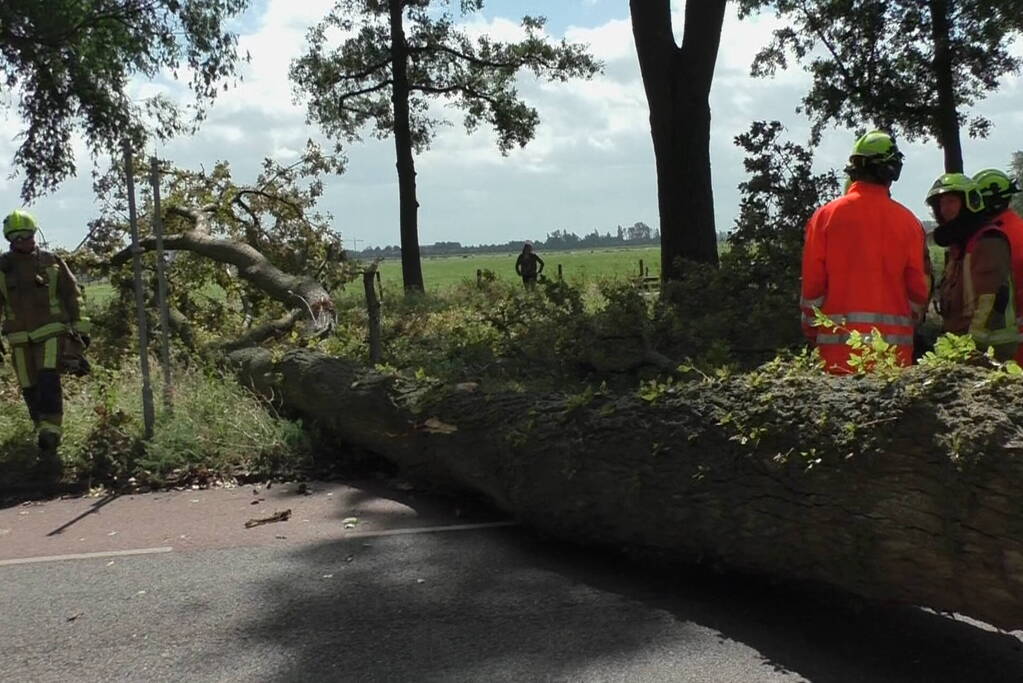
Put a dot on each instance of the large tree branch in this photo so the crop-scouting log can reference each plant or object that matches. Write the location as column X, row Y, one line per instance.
column 274, row 329
column 294, row 291
column 454, row 89
column 490, row 64
column 365, row 73
column 701, row 40
column 365, row 91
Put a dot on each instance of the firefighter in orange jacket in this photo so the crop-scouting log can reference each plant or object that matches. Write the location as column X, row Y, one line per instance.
column 43, row 327
column 863, row 260
column 997, row 189
column 976, row 295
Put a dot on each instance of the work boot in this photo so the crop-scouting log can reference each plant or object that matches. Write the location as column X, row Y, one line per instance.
column 49, row 467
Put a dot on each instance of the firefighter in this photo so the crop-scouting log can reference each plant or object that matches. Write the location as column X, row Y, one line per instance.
column 997, row 189
column 44, row 330
column 976, row 295
column 863, row 260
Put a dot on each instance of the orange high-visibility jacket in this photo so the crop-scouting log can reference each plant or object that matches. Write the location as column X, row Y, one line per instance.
column 863, row 266
column 1012, row 225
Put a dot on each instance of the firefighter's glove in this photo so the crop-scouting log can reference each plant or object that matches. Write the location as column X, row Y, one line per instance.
column 86, row 340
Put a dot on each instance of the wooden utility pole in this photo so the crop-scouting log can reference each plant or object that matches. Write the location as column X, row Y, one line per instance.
column 161, row 288
column 148, row 414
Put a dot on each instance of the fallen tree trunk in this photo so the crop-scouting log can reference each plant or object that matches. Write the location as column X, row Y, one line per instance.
column 907, row 490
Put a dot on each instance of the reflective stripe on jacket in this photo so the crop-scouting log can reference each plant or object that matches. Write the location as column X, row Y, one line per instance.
column 39, row 297
column 863, row 267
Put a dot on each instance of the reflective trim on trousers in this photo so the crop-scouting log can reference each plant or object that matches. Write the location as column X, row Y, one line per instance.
column 37, row 335
column 47, row 426
column 862, row 318
column 21, row 367
column 897, row 339
column 50, row 353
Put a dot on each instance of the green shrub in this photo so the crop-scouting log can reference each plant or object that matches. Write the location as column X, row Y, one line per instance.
column 217, row 428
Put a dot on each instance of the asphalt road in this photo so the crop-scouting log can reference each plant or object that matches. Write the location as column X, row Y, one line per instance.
column 364, row 584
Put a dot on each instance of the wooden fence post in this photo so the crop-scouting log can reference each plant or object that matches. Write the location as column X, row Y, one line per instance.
column 373, row 309
column 560, row 276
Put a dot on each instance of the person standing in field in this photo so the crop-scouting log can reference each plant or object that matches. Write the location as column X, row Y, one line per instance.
column 976, row 295
column 863, row 260
column 528, row 266
column 44, row 327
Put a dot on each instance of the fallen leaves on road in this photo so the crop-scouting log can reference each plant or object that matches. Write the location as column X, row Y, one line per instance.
column 279, row 516
column 75, row 616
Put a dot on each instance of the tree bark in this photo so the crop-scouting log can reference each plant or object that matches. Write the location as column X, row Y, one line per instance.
column 677, row 81
column 947, row 115
column 904, row 490
column 408, row 205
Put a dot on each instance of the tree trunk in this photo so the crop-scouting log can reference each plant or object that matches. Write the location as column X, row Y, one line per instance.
column 947, row 116
column 904, row 490
column 411, row 267
column 677, row 83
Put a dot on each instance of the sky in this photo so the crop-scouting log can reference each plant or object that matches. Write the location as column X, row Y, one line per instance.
column 589, row 167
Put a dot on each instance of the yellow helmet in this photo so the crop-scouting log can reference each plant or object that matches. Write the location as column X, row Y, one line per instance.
column 19, row 221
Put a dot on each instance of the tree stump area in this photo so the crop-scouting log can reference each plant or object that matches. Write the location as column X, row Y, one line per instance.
column 908, row 489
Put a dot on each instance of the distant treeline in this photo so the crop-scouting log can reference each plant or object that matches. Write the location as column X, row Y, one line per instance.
column 638, row 234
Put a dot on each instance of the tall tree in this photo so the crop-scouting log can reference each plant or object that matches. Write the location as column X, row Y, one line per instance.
column 908, row 66
column 69, row 62
column 402, row 53
column 677, row 80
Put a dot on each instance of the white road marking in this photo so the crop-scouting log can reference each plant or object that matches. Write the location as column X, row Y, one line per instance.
column 428, row 529
column 85, row 556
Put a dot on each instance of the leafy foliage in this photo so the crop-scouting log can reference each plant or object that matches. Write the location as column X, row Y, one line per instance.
column 877, row 61
column 220, row 430
column 277, row 215
column 71, row 61
column 778, row 198
column 351, row 86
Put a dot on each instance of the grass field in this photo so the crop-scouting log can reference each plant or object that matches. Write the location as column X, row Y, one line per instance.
column 441, row 272
column 583, row 265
